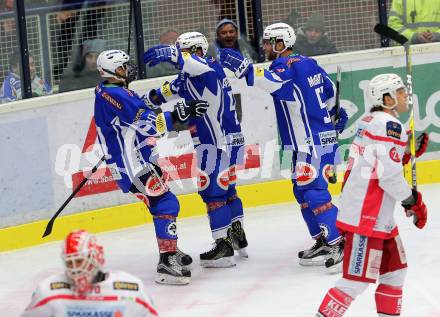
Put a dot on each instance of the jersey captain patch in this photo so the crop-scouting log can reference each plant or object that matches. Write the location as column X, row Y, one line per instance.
column 394, row 129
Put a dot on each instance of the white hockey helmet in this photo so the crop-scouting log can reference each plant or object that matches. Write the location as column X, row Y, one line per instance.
column 83, row 258
column 280, row 31
column 193, row 41
column 384, row 84
column 109, row 61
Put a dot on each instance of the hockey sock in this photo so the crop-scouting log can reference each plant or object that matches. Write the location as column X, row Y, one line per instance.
column 308, row 216
column 320, row 203
column 219, row 218
column 166, row 232
column 310, row 220
column 388, row 300
column 327, row 221
column 335, row 303
column 234, row 202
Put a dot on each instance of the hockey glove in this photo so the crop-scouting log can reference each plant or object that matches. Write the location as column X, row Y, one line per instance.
column 421, row 145
column 182, row 111
column 414, row 206
column 152, row 99
column 198, row 108
column 234, row 61
column 163, row 53
column 341, row 119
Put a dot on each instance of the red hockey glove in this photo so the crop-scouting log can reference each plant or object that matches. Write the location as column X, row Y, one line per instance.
column 421, row 145
column 414, row 206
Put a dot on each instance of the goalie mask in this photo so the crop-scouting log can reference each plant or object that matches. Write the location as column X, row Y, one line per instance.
column 193, row 41
column 109, row 61
column 384, row 84
column 280, row 32
column 83, row 259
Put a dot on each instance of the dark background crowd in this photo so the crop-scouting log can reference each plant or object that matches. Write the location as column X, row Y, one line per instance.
column 66, row 36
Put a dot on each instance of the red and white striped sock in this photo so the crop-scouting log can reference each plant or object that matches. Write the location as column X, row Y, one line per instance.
column 335, row 303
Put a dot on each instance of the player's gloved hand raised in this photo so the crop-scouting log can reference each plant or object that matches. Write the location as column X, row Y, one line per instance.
column 163, row 53
column 182, row 111
column 414, row 206
column 421, row 145
column 234, row 61
column 341, row 121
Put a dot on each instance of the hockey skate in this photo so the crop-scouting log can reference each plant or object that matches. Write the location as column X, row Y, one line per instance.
column 184, row 259
column 238, row 238
column 169, row 271
column 221, row 255
column 334, row 259
column 316, row 255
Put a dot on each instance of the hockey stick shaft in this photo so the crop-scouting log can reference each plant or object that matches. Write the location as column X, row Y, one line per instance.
column 401, row 39
column 51, row 222
column 334, row 178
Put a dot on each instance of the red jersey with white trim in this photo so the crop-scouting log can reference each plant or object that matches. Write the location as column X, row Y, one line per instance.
column 119, row 295
column 374, row 181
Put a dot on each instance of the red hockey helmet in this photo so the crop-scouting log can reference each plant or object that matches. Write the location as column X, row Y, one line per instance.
column 83, row 258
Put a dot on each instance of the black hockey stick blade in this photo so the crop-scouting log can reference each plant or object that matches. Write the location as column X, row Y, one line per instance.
column 49, row 226
column 385, row 30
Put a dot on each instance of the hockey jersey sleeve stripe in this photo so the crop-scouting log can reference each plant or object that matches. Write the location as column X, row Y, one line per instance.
column 382, row 138
column 91, row 298
column 147, row 306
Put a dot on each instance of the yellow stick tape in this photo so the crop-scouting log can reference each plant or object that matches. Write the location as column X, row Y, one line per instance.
column 136, row 214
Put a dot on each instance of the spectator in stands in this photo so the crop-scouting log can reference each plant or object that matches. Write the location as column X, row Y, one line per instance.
column 167, row 37
column 311, row 39
column 86, row 74
column 67, row 25
column 227, row 36
column 7, row 26
column 11, row 88
column 418, row 20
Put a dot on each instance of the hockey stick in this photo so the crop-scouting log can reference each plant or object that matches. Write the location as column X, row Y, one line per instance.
column 334, row 178
column 49, row 226
column 402, row 40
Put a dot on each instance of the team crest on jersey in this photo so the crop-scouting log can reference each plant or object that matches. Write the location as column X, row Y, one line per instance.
column 59, row 285
column 223, row 179
column 305, row 173
column 128, row 286
column 394, row 155
column 394, row 129
column 202, row 180
column 155, row 186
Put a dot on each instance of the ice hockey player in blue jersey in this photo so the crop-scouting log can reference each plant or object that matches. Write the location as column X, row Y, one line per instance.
column 127, row 130
column 304, row 98
column 217, row 138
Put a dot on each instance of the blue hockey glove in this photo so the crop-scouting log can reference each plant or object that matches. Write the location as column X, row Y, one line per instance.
column 234, row 61
column 163, row 53
column 341, row 122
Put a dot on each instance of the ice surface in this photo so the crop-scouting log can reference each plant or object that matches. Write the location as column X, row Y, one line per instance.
column 269, row 283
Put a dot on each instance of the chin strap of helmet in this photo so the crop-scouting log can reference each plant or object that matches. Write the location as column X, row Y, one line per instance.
column 130, row 73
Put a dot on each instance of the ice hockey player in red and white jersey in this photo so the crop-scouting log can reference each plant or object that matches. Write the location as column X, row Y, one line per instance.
column 373, row 183
column 85, row 289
